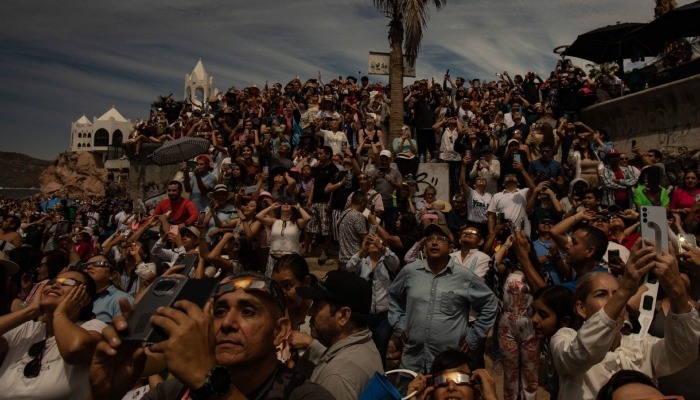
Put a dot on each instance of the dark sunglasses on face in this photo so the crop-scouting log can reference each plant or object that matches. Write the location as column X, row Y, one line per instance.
column 99, row 264
column 33, row 368
column 64, row 282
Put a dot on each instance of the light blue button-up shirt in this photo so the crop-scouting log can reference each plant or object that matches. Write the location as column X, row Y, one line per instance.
column 380, row 284
column 434, row 311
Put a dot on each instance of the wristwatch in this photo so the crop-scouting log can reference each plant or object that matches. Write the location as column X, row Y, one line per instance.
column 218, row 384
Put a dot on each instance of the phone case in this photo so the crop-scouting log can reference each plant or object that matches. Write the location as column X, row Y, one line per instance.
column 189, row 261
column 654, row 228
column 164, row 292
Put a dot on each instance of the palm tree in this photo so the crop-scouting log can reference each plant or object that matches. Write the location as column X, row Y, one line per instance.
column 407, row 19
column 160, row 102
column 595, row 70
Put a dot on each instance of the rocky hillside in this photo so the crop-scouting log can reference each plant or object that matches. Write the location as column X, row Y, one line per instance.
column 20, row 171
column 74, row 174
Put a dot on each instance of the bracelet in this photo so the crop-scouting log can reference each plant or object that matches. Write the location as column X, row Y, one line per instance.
column 504, row 247
column 60, row 313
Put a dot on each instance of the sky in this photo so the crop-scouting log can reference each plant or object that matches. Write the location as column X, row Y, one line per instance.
column 60, row 60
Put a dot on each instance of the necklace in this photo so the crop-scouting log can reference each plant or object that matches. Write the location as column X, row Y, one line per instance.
column 543, row 245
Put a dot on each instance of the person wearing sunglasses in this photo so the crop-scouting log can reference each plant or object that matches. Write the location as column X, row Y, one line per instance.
column 109, row 288
column 226, row 351
column 50, row 357
column 285, row 224
column 452, row 377
column 618, row 182
column 445, row 291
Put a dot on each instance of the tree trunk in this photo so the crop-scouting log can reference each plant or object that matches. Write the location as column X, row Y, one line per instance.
column 396, row 79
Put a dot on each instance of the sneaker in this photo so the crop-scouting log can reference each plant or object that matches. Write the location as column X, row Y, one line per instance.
column 322, row 258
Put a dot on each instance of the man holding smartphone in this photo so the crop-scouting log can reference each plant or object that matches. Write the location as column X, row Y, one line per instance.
column 228, row 350
column 199, row 185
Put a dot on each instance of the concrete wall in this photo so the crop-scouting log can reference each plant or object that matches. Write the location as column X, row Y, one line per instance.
column 434, row 174
column 667, row 116
column 145, row 178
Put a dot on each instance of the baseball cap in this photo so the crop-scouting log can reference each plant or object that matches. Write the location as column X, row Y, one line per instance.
column 385, row 153
column 487, row 148
column 440, row 229
column 190, row 229
column 342, row 287
column 265, row 193
column 613, row 152
column 220, row 188
column 513, row 141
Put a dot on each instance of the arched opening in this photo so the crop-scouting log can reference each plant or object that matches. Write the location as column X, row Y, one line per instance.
column 188, row 93
column 117, row 138
column 199, row 94
column 101, row 138
column 80, row 136
column 89, row 135
column 88, row 145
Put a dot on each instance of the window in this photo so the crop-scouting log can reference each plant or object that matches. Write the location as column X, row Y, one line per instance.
column 117, row 138
column 80, row 136
column 101, row 138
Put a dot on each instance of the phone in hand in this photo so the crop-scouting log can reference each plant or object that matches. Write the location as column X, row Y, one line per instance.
column 165, row 292
column 516, row 157
column 266, row 169
column 250, row 189
column 613, row 255
column 200, row 221
column 634, row 142
column 373, row 229
column 174, row 229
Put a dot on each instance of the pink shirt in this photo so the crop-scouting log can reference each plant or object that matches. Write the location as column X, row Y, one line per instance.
column 683, row 199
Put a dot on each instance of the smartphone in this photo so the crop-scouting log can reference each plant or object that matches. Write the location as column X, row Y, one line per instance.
column 522, row 224
column 200, row 221
column 469, row 153
column 164, row 292
column 191, row 165
column 373, row 229
column 126, row 233
column 697, row 198
column 250, row 189
column 613, row 255
column 447, row 73
column 501, row 217
column 516, row 157
column 174, row 229
column 189, row 261
column 266, row 169
column 634, row 142
column 62, row 228
column 654, row 228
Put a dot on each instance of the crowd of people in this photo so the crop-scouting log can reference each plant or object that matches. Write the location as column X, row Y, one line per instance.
column 537, row 240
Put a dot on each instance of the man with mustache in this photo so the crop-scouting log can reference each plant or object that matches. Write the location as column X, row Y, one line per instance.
column 226, row 351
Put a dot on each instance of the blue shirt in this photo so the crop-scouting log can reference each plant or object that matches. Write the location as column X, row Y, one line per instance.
column 552, row 169
column 550, row 266
column 572, row 285
column 200, row 200
column 434, row 311
column 106, row 304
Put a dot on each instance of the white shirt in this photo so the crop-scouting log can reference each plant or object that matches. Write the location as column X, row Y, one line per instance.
column 512, row 205
column 508, row 120
column 491, row 174
column 447, row 145
column 475, row 261
column 57, row 380
column 585, row 364
column 123, row 222
column 478, row 206
column 335, row 140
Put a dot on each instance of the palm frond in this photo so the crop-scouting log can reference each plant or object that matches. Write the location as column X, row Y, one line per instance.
column 414, row 18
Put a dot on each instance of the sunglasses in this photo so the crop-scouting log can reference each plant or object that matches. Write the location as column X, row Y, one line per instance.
column 624, row 158
column 445, row 378
column 251, row 284
column 99, row 264
column 64, row 282
column 33, row 368
column 470, row 233
column 439, row 239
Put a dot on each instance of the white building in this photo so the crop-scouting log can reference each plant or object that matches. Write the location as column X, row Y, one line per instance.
column 199, row 85
column 111, row 129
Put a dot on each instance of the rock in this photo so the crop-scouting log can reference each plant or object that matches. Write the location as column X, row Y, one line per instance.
column 76, row 174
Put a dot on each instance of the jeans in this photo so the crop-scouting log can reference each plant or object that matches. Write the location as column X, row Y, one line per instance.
column 381, row 332
column 455, row 168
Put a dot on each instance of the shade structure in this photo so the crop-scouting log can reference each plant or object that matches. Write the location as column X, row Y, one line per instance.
column 678, row 23
column 614, row 43
column 179, row 150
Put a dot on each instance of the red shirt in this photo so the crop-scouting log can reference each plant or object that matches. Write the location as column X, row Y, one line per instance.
column 182, row 212
column 621, row 195
column 627, row 241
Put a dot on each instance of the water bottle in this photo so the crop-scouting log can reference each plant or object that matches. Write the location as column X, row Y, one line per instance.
column 428, row 157
column 348, row 180
column 422, row 158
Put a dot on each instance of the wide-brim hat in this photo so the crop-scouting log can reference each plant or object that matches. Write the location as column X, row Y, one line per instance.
column 219, row 189
column 10, row 266
column 440, row 205
column 213, row 99
column 190, row 229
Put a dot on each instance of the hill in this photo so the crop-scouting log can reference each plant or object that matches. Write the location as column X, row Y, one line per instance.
column 20, row 170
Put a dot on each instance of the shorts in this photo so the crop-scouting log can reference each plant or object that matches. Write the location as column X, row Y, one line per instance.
column 320, row 220
column 335, row 217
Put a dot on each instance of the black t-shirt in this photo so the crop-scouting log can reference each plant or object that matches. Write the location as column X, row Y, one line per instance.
column 340, row 195
column 322, row 176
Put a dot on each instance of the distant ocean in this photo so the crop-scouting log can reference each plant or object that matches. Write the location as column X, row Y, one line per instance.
column 15, row 193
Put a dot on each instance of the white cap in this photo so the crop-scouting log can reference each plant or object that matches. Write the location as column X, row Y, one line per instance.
column 385, row 153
